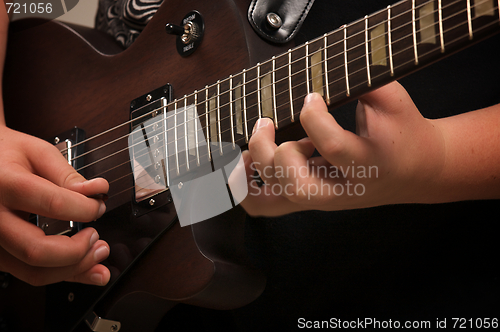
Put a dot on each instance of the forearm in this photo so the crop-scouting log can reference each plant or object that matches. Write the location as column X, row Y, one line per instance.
column 4, row 24
column 471, row 168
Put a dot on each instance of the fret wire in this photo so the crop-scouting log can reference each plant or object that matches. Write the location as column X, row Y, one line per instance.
column 307, row 68
column 207, row 124
column 325, row 56
column 175, row 138
column 196, row 127
column 186, row 147
column 389, row 39
column 245, row 104
column 218, row 118
column 274, row 93
column 348, row 92
column 469, row 19
column 259, row 101
column 290, row 83
column 441, row 35
column 414, row 25
column 231, row 108
column 368, row 75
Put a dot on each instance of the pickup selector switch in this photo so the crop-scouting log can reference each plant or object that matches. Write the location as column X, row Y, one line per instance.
column 189, row 33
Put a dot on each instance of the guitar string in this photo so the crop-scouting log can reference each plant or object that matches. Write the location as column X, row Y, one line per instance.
column 268, row 61
column 280, row 68
column 227, row 92
column 241, row 139
column 302, row 96
column 255, row 92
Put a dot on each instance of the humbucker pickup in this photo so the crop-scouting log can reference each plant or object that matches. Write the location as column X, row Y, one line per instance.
column 147, row 148
column 68, row 145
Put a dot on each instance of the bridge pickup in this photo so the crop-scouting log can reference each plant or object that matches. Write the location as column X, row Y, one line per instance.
column 67, row 143
column 147, row 150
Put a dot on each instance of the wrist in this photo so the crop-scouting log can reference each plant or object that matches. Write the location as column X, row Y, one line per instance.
column 427, row 159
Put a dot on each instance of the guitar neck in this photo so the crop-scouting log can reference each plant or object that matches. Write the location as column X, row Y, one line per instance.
column 341, row 65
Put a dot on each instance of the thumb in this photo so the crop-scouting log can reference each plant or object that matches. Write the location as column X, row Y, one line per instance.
column 391, row 99
column 336, row 145
column 49, row 163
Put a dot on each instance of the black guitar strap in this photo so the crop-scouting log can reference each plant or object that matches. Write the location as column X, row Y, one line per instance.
column 278, row 20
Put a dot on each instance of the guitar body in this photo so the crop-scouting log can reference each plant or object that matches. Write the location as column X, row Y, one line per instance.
column 55, row 80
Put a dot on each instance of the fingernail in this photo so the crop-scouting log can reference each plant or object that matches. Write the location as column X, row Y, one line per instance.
column 262, row 122
column 102, row 209
column 94, row 238
column 90, row 181
column 101, row 253
column 310, row 97
column 96, row 278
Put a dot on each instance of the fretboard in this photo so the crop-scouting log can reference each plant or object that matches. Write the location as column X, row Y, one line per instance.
column 340, row 65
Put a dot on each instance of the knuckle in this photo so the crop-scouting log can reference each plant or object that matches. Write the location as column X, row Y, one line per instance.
column 52, row 203
column 69, row 178
column 13, row 186
column 32, row 254
column 282, row 153
column 333, row 147
column 284, row 147
column 78, row 255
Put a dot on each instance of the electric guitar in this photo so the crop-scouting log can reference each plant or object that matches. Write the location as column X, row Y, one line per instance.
column 76, row 88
